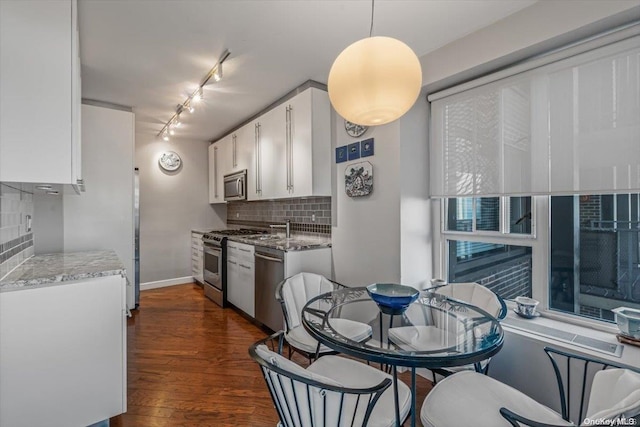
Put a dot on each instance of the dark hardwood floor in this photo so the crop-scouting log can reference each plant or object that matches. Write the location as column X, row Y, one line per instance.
column 189, row 366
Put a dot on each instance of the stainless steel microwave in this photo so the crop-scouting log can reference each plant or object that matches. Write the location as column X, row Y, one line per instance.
column 235, row 186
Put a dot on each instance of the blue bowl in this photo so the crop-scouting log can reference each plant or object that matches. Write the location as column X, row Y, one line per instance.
column 391, row 297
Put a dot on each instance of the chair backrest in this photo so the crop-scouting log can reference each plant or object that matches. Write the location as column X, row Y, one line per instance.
column 303, row 398
column 614, row 392
column 295, row 291
column 477, row 295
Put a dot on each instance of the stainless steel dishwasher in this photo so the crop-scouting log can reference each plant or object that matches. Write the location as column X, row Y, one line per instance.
column 269, row 273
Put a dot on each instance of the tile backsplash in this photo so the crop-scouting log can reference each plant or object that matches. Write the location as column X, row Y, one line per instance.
column 309, row 214
column 16, row 214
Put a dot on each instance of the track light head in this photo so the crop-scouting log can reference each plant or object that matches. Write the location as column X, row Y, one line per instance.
column 217, row 74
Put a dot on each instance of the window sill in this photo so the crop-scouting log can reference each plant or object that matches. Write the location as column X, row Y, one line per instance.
column 630, row 354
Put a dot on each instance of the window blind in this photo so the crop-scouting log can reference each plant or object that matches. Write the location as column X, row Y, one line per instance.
column 568, row 127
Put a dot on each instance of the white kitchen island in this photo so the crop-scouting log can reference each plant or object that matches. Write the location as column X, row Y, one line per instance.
column 63, row 340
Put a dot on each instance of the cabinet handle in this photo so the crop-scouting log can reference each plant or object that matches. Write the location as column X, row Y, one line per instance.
column 257, row 154
column 245, row 266
column 232, row 262
column 286, row 141
column 235, row 156
column 268, row 258
column 260, row 154
column 245, row 250
column 215, row 166
column 290, row 149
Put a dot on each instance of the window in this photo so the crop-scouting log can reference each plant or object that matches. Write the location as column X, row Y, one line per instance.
column 592, row 244
column 520, row 215
column 492, row 258
column 595, row 254
column 563, row 128
column 505, row 269
column 484, row 214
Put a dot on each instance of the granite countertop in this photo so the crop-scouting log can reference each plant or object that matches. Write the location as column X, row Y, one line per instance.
column 53, row 269
column 296, row 243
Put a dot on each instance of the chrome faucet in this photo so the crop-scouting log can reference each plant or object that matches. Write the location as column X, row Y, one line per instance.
column 287, row 225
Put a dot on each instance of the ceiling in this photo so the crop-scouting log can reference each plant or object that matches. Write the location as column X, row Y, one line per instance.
column 150, row 54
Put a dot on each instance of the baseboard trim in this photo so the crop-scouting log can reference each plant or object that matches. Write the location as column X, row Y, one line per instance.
column 165, row 283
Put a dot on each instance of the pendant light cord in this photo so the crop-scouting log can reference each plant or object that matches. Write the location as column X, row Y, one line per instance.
column 371, row 28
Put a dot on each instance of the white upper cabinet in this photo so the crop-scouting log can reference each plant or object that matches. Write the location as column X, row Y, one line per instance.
column 286, row 151
column 242, row 145
column 39, row 92
column 270, row 154
column 308, row 145
column 218, row 168
column 249, row 134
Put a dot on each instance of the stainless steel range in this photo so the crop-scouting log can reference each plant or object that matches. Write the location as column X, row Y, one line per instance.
column 215, row 262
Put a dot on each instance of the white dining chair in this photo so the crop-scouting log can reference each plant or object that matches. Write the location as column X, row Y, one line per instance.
column 431, row 336
column 476, row 295
column 470, row 398
column 479, row 296
column 332, row 391
column 293, row 293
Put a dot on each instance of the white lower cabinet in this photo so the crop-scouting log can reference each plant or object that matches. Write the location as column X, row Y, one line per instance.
column 197, row 269
column 63, row 350
column 241, row 277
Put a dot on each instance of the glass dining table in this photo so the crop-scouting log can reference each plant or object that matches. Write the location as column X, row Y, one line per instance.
column 433, row 332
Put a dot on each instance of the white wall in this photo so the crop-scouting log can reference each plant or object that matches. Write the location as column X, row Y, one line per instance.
column 415, row 206
column 365, row 236
column 171, row 204
column 384, row 237
column 102, row 216
column 48, row 223
column 538, row 28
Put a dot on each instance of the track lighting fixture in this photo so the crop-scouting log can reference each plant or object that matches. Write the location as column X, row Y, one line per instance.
column 195, row 97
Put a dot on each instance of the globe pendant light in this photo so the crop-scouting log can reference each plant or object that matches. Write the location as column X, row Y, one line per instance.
column 375, row 80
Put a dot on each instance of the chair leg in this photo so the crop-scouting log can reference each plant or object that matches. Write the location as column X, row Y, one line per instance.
column 435, row 381
column 290, row 352
column 317, row 352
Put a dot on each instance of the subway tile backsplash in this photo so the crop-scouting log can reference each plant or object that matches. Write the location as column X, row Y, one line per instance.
column 310, row 214
column 16, row 240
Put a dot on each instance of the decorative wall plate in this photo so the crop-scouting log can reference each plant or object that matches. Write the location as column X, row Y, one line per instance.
column 358, row 179
column 354, row 130
column 170, row 161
